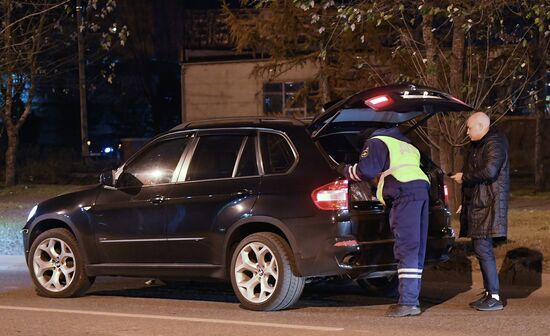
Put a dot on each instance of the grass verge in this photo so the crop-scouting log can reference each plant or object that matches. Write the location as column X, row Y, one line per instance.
column 15, row 204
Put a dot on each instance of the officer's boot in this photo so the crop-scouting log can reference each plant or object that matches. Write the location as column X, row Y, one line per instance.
column 399, row 310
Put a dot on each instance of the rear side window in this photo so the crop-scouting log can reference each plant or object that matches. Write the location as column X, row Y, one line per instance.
column 277, row 155
column 214, row 157
column 247, row 164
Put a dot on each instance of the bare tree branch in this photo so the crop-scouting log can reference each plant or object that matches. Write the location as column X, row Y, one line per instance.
column 32, row 14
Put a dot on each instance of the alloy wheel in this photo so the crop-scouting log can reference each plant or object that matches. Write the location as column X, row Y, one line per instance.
column 256, row 272
column 54, row 264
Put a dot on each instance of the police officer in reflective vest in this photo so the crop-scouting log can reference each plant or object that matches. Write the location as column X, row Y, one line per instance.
column 390, row 158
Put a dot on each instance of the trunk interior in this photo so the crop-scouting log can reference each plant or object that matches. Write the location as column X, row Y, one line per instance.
column 369, row 217
column 345, row 147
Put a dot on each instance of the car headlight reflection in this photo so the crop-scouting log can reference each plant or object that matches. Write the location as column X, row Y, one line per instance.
column 32, row 212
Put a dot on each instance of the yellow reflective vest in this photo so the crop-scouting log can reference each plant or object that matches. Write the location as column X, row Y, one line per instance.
column 404, row 163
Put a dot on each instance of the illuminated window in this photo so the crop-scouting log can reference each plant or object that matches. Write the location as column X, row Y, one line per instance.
column 156, row 165
column 287, row 99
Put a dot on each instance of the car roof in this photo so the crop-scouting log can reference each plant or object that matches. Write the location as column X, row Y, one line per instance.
column 234, row 122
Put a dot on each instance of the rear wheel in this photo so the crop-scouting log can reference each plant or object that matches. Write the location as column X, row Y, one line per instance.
column 263, row 273
column 383, row 286
column 57, row 266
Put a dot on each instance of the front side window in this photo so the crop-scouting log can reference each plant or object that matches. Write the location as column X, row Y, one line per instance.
column 156, row 165
column 214, row 157
column 277, row 155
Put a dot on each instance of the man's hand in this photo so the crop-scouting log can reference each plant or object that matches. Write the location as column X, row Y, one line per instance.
column 457, row 177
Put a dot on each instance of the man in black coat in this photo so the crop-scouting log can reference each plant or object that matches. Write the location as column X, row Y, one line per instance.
column 484, row 214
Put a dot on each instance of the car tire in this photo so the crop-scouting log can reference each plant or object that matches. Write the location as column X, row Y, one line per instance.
column 384, row 286
column 263, row 273
column 56, row 265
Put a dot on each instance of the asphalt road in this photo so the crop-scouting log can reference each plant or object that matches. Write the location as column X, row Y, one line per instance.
column 124, row 306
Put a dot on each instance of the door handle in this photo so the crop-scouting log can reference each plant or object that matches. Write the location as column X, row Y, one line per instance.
column 157, row 199
column 242, row 192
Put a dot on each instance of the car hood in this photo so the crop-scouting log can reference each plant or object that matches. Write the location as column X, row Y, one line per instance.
column 67, row 202
column 391, row 104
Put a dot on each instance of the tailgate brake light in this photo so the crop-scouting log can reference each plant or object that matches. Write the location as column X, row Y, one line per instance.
column 378, row 102
column 331, row 196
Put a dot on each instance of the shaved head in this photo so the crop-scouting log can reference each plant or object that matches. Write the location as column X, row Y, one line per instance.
column 478, row 125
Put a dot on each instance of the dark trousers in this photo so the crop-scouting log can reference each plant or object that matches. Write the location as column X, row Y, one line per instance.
column 483, row 249
column 409, row 224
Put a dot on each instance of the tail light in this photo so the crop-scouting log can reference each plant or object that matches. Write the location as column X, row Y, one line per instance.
column 346, row 243
column 332, row 196
column 446, row 194
column 378, row 102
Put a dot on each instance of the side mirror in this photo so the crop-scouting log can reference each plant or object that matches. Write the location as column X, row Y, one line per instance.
column 106, row 178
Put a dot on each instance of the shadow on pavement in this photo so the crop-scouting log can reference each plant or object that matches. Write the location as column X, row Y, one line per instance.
column 520, row 273
column 446, row 280
column 180, row 290
column 340, row 293
column 332, row 293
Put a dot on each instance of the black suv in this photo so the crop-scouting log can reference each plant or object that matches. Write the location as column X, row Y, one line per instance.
column 254, row 200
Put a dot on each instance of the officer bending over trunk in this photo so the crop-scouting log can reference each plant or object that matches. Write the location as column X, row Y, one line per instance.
column 390, row 158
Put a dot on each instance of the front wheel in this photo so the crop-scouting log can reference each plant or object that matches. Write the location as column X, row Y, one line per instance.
column 57, row 266
column 263, row 273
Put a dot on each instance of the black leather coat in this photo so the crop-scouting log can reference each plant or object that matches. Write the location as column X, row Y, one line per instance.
column 485, row 187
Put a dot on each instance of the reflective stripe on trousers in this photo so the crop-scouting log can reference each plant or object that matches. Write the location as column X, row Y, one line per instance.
column 409, row 224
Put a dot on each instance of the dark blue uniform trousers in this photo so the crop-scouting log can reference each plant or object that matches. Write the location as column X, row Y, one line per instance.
column 409, row 224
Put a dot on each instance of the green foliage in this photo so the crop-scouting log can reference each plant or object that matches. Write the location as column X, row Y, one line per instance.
column 366, row 43
column 48, row 29
column 293, row 37
column 485, row 52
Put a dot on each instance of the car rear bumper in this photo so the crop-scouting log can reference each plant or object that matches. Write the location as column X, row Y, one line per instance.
column 367, row 259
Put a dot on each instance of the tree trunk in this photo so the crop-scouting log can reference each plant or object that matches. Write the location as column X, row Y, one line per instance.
column 451, row 156
column 540, row 178
column 451, row 162
column 11, row 156
column 540, row 62
column 442, row 152
column 457, row 58
column 13, row 124
column 82, row 83
column 431, row 80
column 431, row 48
column 324, row 86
